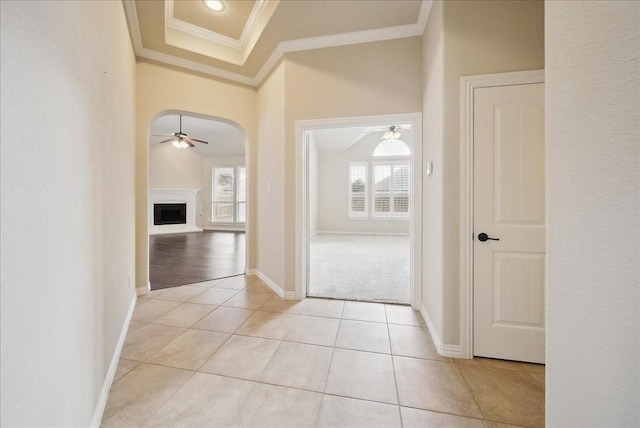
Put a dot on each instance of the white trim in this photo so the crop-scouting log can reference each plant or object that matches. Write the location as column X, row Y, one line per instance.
column 113, row 367
column 337, row 232
column 334, row 40
column 249, row 272
column 302, row 215
column 141, row 291
column 467, row 86
column 272, row 285
column 446, row 350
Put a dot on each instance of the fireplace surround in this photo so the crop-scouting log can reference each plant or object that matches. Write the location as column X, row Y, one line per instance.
column 172, row 211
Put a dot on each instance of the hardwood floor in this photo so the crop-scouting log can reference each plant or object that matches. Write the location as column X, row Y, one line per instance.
column 185, row 258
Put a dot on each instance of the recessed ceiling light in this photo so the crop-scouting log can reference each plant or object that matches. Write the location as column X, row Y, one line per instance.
column 214, row 5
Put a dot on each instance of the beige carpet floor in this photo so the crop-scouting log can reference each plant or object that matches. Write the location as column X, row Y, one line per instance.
column 372, row 268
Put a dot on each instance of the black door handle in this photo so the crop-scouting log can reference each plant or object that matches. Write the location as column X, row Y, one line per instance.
column 484, row 237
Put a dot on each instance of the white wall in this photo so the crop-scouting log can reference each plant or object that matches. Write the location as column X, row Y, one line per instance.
column 462, row 38
column 592, row 96
column 333, row 192
column 270, row 177
column 67, row 210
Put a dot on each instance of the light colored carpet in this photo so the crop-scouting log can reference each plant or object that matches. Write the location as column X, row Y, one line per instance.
column 372, row 268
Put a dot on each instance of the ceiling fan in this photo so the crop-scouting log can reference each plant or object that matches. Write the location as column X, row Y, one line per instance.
column 179, row 139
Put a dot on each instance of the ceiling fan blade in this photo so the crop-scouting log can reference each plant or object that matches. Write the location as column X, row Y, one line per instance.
column 163, row 135
column 188, row 141
column 166, row 141
column 199, row 141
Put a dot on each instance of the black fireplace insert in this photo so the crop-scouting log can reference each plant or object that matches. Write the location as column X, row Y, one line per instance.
column 169, row 214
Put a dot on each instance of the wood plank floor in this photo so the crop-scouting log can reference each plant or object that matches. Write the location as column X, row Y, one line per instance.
column 185, row 258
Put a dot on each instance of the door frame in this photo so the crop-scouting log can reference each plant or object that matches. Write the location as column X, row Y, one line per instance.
column 302, row 195
column 467, row 86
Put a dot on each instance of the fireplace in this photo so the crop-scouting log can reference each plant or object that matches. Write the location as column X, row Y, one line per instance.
column 169, row 214
column 172, row 211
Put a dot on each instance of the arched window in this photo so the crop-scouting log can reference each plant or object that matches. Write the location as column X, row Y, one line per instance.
column 393, row 148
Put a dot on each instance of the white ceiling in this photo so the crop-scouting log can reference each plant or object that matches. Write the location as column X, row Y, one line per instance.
column 224, row 140
column 336, row 140
column 186, row 34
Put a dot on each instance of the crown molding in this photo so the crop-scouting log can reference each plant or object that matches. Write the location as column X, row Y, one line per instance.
column 334, row 40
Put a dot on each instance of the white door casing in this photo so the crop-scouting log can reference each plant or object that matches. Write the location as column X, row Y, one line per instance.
column 509, row 204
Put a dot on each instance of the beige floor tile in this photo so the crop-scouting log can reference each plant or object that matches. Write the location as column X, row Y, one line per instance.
column 322, row 307
column 403, row 314
column 135, row 325
column 364, row 375
column 213, row 296
column 313, row 330
column 236, row 282
column 270, row 406
column 189, row 350
column 417, row 418
column 348, row 412
column 364, row 311
column 248, row 299
column 143, row 343
column 185, row 315
column 278, row 304
column 412, row 341
column 154, row 294
column 503, row 364
column 242, row 357
column 152, row 309
column 298, row 365
column 204, row 401
column 225, row 320
column 507, row 396
column 137, row 396
column 434, row 385
column 207, row 284
column 270, row 325
column 181, row 293
column 258, row 285
column 124, row 367
column 363, row 336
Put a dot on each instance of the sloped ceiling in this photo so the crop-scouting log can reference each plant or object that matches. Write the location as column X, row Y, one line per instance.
column 243, row 42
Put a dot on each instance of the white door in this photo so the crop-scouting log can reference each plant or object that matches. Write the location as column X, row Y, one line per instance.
column 509, row 205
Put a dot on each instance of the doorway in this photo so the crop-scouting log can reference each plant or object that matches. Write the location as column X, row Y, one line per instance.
column 361, row 185
column 205, row 177
column 505, row 216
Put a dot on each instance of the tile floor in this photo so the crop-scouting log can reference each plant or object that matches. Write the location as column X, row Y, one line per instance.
column 231, row 353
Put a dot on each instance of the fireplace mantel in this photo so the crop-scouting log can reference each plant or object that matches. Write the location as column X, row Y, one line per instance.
column 174, row 196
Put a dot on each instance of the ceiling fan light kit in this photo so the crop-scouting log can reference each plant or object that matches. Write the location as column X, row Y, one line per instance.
column 179, row 139
column 391, row 133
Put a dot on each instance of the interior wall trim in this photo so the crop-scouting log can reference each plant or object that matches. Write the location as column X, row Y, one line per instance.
column 272, row 285
column 113, row 366
column 444, row 349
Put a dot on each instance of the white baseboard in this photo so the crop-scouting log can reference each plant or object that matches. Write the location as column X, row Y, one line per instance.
column 250, row 271
column 275, row 287
column 331, row 232
column 141, row 291
column 106, row 386
column 444, row 349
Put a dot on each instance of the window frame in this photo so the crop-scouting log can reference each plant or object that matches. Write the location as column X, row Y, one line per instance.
column 235, row 203
column 365, row 194
column 391, row 214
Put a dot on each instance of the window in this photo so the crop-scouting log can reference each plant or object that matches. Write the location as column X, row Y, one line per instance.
column 358, row 189
column 392, row 148
column 391, row 189
column 228, row 194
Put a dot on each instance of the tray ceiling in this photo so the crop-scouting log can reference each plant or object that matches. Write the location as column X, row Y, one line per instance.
column 248, row 38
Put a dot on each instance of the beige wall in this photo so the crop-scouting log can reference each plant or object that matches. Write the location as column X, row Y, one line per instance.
column 67, row 210
column 367, row 79
column 462, row 38
column 162, row 89
column 593, row 166
column 270, row 177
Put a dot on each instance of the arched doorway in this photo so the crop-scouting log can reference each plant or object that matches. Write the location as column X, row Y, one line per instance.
column 197, row 199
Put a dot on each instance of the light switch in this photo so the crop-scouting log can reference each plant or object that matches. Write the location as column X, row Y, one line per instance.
column 268, row 187
column 428, row 168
